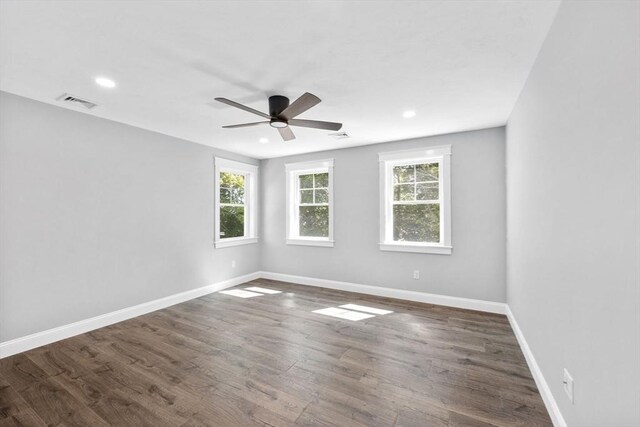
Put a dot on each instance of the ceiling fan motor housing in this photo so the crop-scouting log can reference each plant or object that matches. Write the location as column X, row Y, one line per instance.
column 277, row 104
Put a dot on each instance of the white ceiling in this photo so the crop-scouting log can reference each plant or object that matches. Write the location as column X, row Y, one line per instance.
column 459, row 64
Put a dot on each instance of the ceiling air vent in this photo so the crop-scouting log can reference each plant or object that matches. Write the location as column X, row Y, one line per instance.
column 65, row 97
column 339, row 135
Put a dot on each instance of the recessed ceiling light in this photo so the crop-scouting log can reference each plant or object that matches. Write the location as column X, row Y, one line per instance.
column 105, row 82
column 409, row 114
column 263, row 140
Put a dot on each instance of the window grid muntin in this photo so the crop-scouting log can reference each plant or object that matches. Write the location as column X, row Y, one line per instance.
column 415, row 183
column 244, row 189
column 312, row 189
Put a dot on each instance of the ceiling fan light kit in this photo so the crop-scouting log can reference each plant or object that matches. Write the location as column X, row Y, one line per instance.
column 276, row 123
column 281, row 114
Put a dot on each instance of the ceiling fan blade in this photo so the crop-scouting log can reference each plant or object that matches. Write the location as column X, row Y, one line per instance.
column 300, row 105
column 316, row 124
column 243, row 125
column 286, row 133
column 243, row 107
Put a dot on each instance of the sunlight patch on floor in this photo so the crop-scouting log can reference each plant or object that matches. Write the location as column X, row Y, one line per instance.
column 250, row 292
column 263, row 290
column 240, row 293
column 343, row 314
column 365, row 309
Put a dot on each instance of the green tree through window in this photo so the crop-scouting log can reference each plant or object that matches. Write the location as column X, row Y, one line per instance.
column 416, row 205
column 232, row 205
column 314, row 205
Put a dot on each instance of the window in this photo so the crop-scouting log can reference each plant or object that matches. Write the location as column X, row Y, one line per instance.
column 235, row 203
column 310, row 203
column 415, row 208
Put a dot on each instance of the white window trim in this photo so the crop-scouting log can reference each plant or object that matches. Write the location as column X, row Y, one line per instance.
column 251, row 202
column 292, row 171
column 387, row 161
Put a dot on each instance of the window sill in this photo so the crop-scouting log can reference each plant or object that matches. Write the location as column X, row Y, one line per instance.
column 418, row 248
column 235, row 241
column 311, row 242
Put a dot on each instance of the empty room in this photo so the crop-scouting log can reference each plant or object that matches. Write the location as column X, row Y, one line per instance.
column 320, row 213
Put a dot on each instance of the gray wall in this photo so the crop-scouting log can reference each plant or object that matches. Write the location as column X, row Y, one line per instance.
column 96, row 216
column 573, row 188
column 475, row 270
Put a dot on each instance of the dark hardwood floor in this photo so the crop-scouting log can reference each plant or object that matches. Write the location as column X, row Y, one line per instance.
column 222, row 360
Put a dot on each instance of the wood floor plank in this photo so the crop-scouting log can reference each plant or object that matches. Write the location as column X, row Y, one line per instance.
column 22, row 419
column 14, row 410
column 270, row 360
column 425, row 416
column 119, row 409
column 20, row 372
column 54, row 404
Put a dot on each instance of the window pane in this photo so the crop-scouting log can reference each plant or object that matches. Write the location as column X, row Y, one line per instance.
column 314, row 221
column 231, row 180
column 237, row 196
column 427, row 191
column 322, row 180
column 403, row 174
column 322, row 196
column 416, row 223
column 306, row 196
column 306, row 181
column 427, row 172
column 403, row 192
column 231, row 221
column 225, row 195
column 231, row 188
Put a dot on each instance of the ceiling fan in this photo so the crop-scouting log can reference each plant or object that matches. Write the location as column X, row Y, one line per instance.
column 281, row 114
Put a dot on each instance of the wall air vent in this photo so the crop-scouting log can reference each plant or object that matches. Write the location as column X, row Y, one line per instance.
column 65, row 97
column 339, row 135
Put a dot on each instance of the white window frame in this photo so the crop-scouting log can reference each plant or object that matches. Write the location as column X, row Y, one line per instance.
column 293, row 171
column 387, row 161
column 250, row 173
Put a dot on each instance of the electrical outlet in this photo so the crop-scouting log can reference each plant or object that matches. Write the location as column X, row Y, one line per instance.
column 567, row 382
column 233, row 263
column 416, row 274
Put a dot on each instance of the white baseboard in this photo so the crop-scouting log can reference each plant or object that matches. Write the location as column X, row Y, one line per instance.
column 541, row 383
column 467, row 303
column 38, row 339
column 49, row 336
